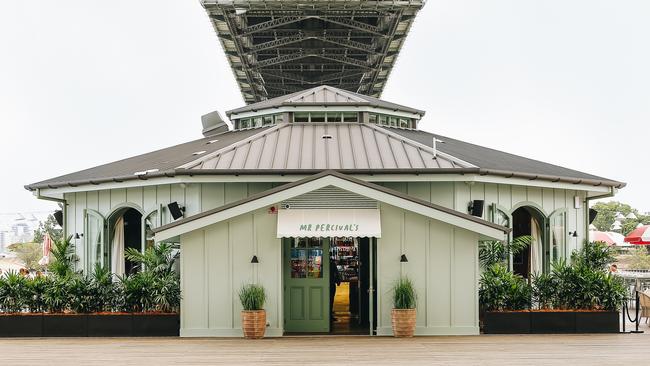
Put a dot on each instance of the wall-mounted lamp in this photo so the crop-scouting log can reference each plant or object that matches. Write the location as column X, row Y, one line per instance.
column 176, row 210
column 573, row 233
column 78, row 236
column 403, row 259
column 254, row 259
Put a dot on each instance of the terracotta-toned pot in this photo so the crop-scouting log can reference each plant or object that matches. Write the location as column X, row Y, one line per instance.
column 403, row 322
column 253, row 323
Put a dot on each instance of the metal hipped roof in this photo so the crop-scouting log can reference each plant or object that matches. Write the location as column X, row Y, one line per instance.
column 324, row 95
column 276, row 47
column 315, row 146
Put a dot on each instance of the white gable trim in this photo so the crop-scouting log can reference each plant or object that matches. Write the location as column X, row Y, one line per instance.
column 269, row 200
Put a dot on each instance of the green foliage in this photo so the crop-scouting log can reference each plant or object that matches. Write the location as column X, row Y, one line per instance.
column 404, row 294
column 34, row 297
column 607, row 214
column 595, row 255
column 55, row 296
column 500, row 289
column 639, row 259
column 252, row 297
column 29, row 254
column 497, row 252
column 49, row 226
column 105, row 291
column 158, row 259
column 13, row 292
column 63, row 257
column 544, row 288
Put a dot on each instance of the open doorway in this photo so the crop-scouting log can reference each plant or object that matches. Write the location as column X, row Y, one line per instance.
column 527, row 221
column 125, row 232
column 349, row 298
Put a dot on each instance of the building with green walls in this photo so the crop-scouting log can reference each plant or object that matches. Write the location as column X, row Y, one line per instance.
column 318, row 173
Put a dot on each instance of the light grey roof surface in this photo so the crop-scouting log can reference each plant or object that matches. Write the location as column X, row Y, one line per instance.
column 324, row 95
column 315, row 146
column 353, row 148
column 163, row 160
column 494, row 160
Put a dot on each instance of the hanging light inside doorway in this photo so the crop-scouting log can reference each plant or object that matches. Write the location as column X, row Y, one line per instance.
column 403, row 259
column 254, row 259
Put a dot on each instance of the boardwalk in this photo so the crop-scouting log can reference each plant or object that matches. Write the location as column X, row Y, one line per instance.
column 476, row 350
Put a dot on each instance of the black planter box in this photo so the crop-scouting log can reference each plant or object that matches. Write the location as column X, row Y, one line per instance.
column 547, row 322
column 65, row 325
column 552, row 322
column 506, row 322
column 156, row 325
column 597, row 322
column 25, row 325
column 90, row 325
column 110, row 325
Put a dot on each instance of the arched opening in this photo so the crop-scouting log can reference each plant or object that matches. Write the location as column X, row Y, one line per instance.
column 528, row 221
column 125, row 231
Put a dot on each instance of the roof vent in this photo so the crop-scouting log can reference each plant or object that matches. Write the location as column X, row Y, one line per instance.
column 145, row 172
column 327, row 137
column 213, row 124
column 211, row 142
column 198, row 152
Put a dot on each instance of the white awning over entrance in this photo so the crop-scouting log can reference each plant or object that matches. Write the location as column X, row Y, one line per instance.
column 329, row 223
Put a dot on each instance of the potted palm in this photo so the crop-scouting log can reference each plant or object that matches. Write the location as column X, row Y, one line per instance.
column 253, row 315
column 403, row 313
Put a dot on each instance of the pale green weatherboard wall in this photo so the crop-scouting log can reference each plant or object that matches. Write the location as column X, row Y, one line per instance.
column 215, row 263
column 201, row 197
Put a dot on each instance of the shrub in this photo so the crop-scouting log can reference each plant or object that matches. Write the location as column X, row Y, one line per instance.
column 543, row 289
column 596, row 256
column 500, row 289
column 404, row 295
column 497, row 252
column 104, row 290
column 252, row 297
column 63, row 257
column 34, row 298
column 55, row 296
column 80, row 294
column 13, row 292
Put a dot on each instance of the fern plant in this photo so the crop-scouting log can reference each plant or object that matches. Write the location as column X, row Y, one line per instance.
column 497, row 252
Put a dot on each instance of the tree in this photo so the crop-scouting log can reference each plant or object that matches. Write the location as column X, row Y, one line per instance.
column 29, row 254
column 607, row 215
column 48, row 226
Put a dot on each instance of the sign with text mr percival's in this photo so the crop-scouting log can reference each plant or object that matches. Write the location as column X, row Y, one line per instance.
column 329, row 223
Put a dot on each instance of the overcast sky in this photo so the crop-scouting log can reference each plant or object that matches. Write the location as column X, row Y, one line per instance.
column 564, row 81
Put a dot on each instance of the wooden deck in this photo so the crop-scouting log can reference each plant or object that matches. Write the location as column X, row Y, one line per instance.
column 474, row 350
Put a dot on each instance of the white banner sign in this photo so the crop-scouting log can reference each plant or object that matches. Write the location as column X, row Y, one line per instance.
column 329, row 223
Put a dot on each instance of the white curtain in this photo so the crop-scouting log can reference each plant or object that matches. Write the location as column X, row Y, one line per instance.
column 535, row 247
column 117, row 248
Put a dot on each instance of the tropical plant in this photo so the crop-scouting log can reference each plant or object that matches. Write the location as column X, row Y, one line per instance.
column 495, row 251
column 56, row 296
column 404, row 294
column 543, row 290
column 500, row 289
column 596, row 255
column 104, row 290
column 13, row 292
column 35, row 288
column 49, row 226
column 158, row 259
column 63, row 256
column 80, row 294
column 252, row 297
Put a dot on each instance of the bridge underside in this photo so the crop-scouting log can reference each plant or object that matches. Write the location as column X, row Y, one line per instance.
column 283, row 46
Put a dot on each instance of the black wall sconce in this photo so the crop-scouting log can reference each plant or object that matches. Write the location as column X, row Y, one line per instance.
column 573, row 233
column 403, row 259
column 78, row 236
column 176, row 210
column 254, row 259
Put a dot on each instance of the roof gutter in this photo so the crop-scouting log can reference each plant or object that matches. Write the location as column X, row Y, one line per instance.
column 416, row 171
column 612, row 192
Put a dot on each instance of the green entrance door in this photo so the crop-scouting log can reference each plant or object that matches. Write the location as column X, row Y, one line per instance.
column 306, row 285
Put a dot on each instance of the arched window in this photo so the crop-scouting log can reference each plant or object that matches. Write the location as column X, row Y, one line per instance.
column 558, row 235
column 95, row 250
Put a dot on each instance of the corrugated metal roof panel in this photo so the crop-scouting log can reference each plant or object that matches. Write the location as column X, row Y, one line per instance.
column 325, row 146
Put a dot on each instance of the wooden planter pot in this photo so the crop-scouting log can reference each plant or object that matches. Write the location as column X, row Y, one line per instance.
column 253, row 323
column 403, row 322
